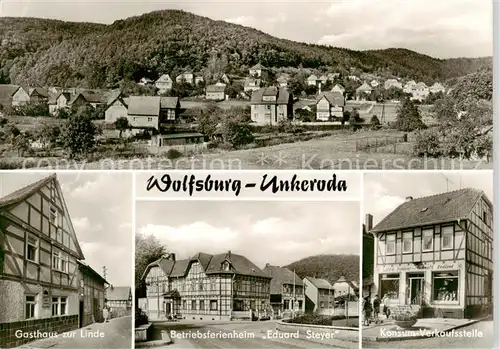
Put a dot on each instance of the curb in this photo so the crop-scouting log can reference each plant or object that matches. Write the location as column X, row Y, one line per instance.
column 430, row 335
column 153, row 344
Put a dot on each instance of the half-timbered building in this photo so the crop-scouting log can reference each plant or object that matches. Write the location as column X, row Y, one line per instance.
column 436, row 252
column 40, row 278
column 206, row 287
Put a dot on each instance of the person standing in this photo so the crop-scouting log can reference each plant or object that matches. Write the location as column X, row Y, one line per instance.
column 105, row 314
column 385, row 301
column 367, row 311
column 376, row 308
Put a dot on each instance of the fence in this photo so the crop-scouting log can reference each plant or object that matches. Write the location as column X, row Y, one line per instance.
column 375, row 143
column 182, row 148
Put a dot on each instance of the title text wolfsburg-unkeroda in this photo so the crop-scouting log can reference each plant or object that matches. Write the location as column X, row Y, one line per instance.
column 274, row 184
column 211, row 335
column 474, row 333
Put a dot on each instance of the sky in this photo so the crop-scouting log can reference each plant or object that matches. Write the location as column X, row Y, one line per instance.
column 277, row 233
column 386, row 191
column 439, row 28
column 100, row 208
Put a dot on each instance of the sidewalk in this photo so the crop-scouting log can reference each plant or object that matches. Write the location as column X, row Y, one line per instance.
column 117, row 333
column 424, row 328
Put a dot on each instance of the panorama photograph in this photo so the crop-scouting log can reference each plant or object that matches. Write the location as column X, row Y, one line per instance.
column 334, row 84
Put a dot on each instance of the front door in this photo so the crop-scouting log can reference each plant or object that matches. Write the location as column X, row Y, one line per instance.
column 80, row 315
column 416, row 288
column 168, row 309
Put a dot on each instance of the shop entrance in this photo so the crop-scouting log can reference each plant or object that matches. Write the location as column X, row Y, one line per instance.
column 415, row 286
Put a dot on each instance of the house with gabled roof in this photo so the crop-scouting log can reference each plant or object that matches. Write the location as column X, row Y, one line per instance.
column 287, row 291
column 186, row 77
column 38, row 94
column 270, row 105
column 216, row 92
column 363, row 92
column 392, row 83
column 42, row 285
column 419, row 92
column 252, row 85
column 436, row 253
column 258, row 71
column 119, row 300
column 437, row 88
column 282, row 80
column 222, row 286
column 329, row 105
column 320, row 297
column 149, row 112
column 338, row 88
column 312, row 80
column 164, row 84
column 408, row 87
column 117, row 108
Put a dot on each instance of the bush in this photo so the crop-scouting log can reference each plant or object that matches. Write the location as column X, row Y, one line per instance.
column 315, row 319
column 38, row 109
column 173, row 154
column 140, row 318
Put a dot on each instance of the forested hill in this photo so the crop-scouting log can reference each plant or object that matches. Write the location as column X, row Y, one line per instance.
column 50, row 52
column 329, row 267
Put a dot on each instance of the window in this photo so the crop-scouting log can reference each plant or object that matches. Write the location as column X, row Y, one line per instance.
column 193, row 305
column 200, row 285
column 202, row 305
column 445, row 286
column 30, row 302
column 485, row 216
column 447, row 237
column 408, row 242
column 389, row 285
column 286, row 304
column 150, row 119
column 184, row 304
column 213, row 305
column 321, row 304
column 212, row 285
column 390, row 244
column 59, row 306
column 225, row 266
column 427, row 240
column 32, row 249
column 53, row 215
column 60, row 262
column 252, row 305
column 300, row 304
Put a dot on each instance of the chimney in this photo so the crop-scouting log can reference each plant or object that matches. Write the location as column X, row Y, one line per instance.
column 267, row 265
column 369, row 222
column 409, row 198
column 229, row 254
column 171, row 256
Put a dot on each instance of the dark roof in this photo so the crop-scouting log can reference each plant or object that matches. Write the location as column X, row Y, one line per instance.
column 144, row 105
column 85, row 268
column 212, row 264
column 40, row 91
column 25, row 192
column 282, row 95
column 120, row 293
column 281, row 276
column 216, row 88
column 335, row 98
column 319, row 283
column 169, row 102
column 434, row 209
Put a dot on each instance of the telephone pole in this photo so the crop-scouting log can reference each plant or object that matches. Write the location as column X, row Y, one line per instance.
column 448, row 181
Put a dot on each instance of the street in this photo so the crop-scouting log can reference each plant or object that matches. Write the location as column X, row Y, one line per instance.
column 115, row 334
column 248, row 335
column 484, row 340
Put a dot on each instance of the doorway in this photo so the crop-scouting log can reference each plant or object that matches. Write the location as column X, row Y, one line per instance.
column 80, row 315
column 415, row 284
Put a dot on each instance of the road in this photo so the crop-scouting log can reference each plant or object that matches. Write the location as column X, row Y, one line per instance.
column 115, row 334
column 251, row 335
column 483, row 340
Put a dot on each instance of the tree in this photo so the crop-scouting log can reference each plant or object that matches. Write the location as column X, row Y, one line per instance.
column 79, row 134
column 147, row 250
column 122, row 124
column 208, row 120
column 48, row 134
column 235, row 128
column 408, row 117
column 21, row 143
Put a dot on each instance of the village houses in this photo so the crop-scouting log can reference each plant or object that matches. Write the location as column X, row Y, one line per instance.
column 186, row 77
column 338, row 88
column 392, row 83
column 436, row 252
column 287, row 291
column 258, row 71
column 223, row 286
column 329, row 105
column 119, row 300
column 252, row 85
column 164, row 84
column 282, row 80
column 38, row 95
column 117, row 108
column 420, row 92
column 44, row 282
column 408, row 87
column 437, row 88
column 216, row 92
column 320, row 298
column 312, row 80
column 363, row 92
column 270, row 105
